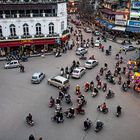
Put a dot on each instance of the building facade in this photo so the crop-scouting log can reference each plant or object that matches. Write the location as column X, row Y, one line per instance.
column 32, row 23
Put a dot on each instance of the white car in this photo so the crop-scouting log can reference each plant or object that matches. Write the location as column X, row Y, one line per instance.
column 97, row 33
column 81, row 50
column 12, row 64
column 59, row 81
column 88, row 30
column 78, row 72
column 37, row 77
column 91, row 63
column 97, row 43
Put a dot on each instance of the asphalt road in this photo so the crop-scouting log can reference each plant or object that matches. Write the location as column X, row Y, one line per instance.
column 18, row 97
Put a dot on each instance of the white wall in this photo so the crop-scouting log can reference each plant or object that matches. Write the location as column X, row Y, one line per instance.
column 44, row 21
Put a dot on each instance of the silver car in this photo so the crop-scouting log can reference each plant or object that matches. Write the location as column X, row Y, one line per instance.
column 12, row 64
column 128, row 48
column 81, row 50
column 59, row 81
column 37, row 77
column 78, row 72
column 91, row 63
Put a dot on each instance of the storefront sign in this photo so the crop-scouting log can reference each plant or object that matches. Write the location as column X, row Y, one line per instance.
column 136, row 4
column 134, row 23
column 134, row 14
column 119, row 20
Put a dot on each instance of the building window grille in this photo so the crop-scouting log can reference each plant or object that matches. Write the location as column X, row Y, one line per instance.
column 25, row 29
column 62, row 26
column 12, row 30
column 38, row 29
column 1, row 31
column 51, row 28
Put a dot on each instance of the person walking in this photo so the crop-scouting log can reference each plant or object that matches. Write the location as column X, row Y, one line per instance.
column 31, row 137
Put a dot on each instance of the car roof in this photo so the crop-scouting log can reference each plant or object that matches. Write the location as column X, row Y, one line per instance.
column 60, row 78
column 80, row 48
column 14, row 61
column 37, row 73
column 79, row 68
column 91, row 60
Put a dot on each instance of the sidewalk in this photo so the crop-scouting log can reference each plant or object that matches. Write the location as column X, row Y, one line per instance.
column 33, row 55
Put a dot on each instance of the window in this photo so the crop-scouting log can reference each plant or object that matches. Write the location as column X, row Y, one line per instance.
column 12, row 30
column 38, row 29
column 1, row 31
column 25, row 29
column 51, row 28
column 62, row 25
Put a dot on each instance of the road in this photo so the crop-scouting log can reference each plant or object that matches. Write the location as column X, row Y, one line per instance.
column 18, row 97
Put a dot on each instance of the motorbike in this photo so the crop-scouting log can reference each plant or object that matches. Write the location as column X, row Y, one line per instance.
column 51, row 104
column 57, row 54
column 57, row 119
column 58, row 107
column 111, row 95
column 111, row 80
column 80, row 111
column 99, row 128
column 68, row 101
column 29, row 122
column 124, row 88
column 61, row 72
column 105, row 111
column 118, row 114
column 90, row 124
column 68, row 114
column 83, row 57
column 108, row 52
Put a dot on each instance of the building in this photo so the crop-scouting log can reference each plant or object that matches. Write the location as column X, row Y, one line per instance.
column 32, row 25
column 133, row 24
column 72, row 6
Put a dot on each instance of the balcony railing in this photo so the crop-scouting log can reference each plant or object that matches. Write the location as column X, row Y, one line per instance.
column 30, row 1
column 26, row 36
column 13, row 37
column 39, row 35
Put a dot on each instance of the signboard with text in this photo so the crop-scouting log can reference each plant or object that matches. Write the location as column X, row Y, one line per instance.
column 134, row 23
column 136, row 4
column 119, row 20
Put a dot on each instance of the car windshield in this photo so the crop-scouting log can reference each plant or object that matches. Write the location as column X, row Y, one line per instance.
column 75, row 71
column 88, row 62
column 34, row 77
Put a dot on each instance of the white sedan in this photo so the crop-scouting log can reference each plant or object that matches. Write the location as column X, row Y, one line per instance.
column 97, row 43
column 81, row 50
column 78, row 72
column 91, row 63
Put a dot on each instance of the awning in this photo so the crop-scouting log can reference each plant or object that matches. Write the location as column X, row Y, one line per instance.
column 105, row 23
column 119, row 28
column 133, row 29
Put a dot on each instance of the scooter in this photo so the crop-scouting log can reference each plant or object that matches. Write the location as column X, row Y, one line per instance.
column 29, row 122
column 83, row 57
column 97, row 129
column 118, row 114
column 105, row 111
column 57, row 54
column 108, row 96
column 80, row 111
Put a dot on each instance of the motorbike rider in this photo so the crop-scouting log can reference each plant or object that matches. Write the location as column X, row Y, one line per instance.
column 109, row 92
column 120, row 79
column 121, row 59
column 87, row 85
column 29, row 118
column 91, row 85
column 77, row 64
column 119, row 109
column 74, row 63
column 124, row 86
column 103, row 107
column 66, row 70
column 104, row 86
column 21, row 68
column 117, row 56
column 52, row 101
column 61, row 95
column 105, row 65
column 58, row 101
column 98, row 124
column 101, row 71
column 99, row 84
column 31, row 137
column 62, row 71
column 97, row 77
column 92, row 57
column 78, row 89
column 124, row 70
column 87, row 124
column 110, row 47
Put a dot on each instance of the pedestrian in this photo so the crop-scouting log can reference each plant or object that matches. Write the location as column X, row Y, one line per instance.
column 125, row 52
column 31, row 137
column 40, row 138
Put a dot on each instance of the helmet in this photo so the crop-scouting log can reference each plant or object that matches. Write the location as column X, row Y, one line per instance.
column 98, row 121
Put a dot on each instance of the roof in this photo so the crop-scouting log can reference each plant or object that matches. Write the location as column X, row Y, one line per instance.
column 91, row 60
column 60, row 77
column 36, row 73
column 79, row 68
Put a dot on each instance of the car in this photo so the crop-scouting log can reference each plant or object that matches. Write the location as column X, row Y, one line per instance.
column 12, row 64
column 96, row 33
column 78, row 72
column 97, row 43
column 128, row 48
column 59, row 81
column 87, row 30
column 81, row 50
column 91, row 63
column 37, row 77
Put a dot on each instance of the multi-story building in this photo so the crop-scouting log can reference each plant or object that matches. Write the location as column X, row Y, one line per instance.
column 32, row 24
column 133, row 24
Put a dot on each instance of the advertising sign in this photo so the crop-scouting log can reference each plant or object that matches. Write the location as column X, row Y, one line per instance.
column 134, row 14
column 119, row 20
column 134, row 23
column 136, row 4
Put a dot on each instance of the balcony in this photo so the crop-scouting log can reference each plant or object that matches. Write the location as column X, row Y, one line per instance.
column 26, row 36
column 39, row 35
column 13, row 37
column 53, row 35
